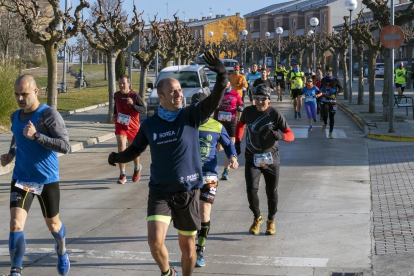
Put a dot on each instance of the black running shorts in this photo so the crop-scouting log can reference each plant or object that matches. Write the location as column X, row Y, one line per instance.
column 182, row 207
column 49, row 199
column 296, row 93
column 230, row 128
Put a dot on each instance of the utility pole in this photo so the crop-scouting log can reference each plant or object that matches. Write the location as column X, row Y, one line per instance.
column 63, row 85
column 391, row 78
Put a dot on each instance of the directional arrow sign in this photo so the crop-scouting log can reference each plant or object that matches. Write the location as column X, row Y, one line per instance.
column 392, row 37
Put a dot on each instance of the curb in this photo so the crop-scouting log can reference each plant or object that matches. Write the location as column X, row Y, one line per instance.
column 357, row 119
column 77, row 146
column 384, row 137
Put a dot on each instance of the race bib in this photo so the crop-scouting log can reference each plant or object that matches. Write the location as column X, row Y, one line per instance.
column 123, row 119
column 210, row 179
column 403, row 85
column 33, row 188
column 263, row 159
column 224, row 116
column 279, row 77
column 297, row 85
column 309, row 99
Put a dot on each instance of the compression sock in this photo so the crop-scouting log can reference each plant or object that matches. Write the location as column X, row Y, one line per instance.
column 137, row 168
column 167, row 273
column 17, row 247
column 60, row 240
column 202, row 235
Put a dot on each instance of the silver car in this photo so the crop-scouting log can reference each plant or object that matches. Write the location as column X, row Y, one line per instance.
column 193, row 79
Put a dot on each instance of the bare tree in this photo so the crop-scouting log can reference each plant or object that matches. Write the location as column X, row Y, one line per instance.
column 105, row 34
column 42, row 24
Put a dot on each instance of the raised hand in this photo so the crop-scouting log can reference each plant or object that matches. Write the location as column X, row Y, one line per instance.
column 29, row 130
column 214, row 63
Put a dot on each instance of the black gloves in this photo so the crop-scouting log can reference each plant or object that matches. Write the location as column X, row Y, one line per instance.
column 214, row 63
column 237, row 146
column 278, row 135
column 112, row 159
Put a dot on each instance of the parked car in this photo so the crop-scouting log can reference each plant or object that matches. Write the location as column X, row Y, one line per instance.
column 356, row 67
column 229, row 64
column 379, row 70
column 193, row 79
column 211, row 76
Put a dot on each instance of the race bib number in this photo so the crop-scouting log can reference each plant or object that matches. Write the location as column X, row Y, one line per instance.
column 297, row 85
column 403, row 85
column 123, row 119
column 308, row 99
column 263, row 159
column 279, row 77
column 224, row 116
column 33, row 188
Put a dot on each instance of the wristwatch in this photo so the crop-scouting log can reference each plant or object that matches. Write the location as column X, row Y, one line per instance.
column 36, row 136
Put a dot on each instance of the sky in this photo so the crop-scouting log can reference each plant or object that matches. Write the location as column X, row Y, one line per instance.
column 190, row 9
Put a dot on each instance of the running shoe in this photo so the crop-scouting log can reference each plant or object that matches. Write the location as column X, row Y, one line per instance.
column 173, row 272
column 122, row 179
column 225, row 175
column 323, row 127
column 200, row 259
column 296, row 115
column 330, row 135
column 299, row 115
column 63, row 263
column 255, row 228
column 15, row 271
column 280, row 98
column 137, row 174
column 314, row 120
column 271, row 230
column 310, row 128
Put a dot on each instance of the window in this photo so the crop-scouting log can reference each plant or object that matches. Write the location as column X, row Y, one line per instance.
column 293, row 22
column 324, row 18
column 250, row 27
column 264, row 25
column 201, row 33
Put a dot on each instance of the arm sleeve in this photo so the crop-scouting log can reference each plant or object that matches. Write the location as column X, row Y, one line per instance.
column 139, row 105
column 284, row 127
column 59, row 140
column 240, row 127
column 289, row 136
column 209, row 104
column 137, row 147
column 227, row 144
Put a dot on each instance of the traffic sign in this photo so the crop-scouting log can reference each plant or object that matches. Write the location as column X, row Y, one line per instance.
column 392, row 37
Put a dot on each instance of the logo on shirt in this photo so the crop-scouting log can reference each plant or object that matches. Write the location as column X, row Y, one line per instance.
column 166, row 134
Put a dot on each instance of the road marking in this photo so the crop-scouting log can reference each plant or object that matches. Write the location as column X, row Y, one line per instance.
column 337, row 133
column 175, row 257
column 304, row 133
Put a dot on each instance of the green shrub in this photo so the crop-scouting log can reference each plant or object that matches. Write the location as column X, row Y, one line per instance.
column 8, row 75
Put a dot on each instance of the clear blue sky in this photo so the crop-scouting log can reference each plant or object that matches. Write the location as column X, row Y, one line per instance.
column 192, row 9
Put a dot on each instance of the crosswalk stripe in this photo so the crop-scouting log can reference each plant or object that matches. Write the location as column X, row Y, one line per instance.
column 303, row 133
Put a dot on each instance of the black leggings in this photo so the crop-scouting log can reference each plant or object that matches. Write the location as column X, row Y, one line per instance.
column 271, row 176
column 328, row 109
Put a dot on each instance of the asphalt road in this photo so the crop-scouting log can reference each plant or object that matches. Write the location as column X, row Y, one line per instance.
column 323, row 222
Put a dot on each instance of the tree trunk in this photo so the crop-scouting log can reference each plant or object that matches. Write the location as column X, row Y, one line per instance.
column 345, row 75
column 360, row 59
column 371, row 80
column 335, row 65
column 323, row 59
column 143, row 80
column 288, row 57
column 105, row 68
column 111, row 57
column 51, row 76
column 409, row 65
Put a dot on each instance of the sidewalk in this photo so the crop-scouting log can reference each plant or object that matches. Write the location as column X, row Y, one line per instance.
column 372, row 123
column 86, row 127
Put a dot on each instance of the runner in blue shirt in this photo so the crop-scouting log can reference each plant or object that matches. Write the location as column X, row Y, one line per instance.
column 176, row 171
column 211, row 133
column 250, row 78
column 39, row 132
column 310, row 93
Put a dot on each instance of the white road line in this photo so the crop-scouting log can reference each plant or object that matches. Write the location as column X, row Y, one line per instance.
column 336, row 133
column 218, row 259
column 300, row 132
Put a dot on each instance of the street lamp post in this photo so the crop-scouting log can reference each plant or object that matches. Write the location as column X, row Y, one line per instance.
column 210, row 34
column 314, row 22
column 279, row 31
column 267, row 34
column 63, row 86
column 244, row 33
column 311, row 34
column 350, row 5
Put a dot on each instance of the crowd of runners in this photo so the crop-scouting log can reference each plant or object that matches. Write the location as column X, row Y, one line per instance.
column 183, row 143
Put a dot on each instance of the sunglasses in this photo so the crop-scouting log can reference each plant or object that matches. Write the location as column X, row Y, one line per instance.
column 260, row 98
